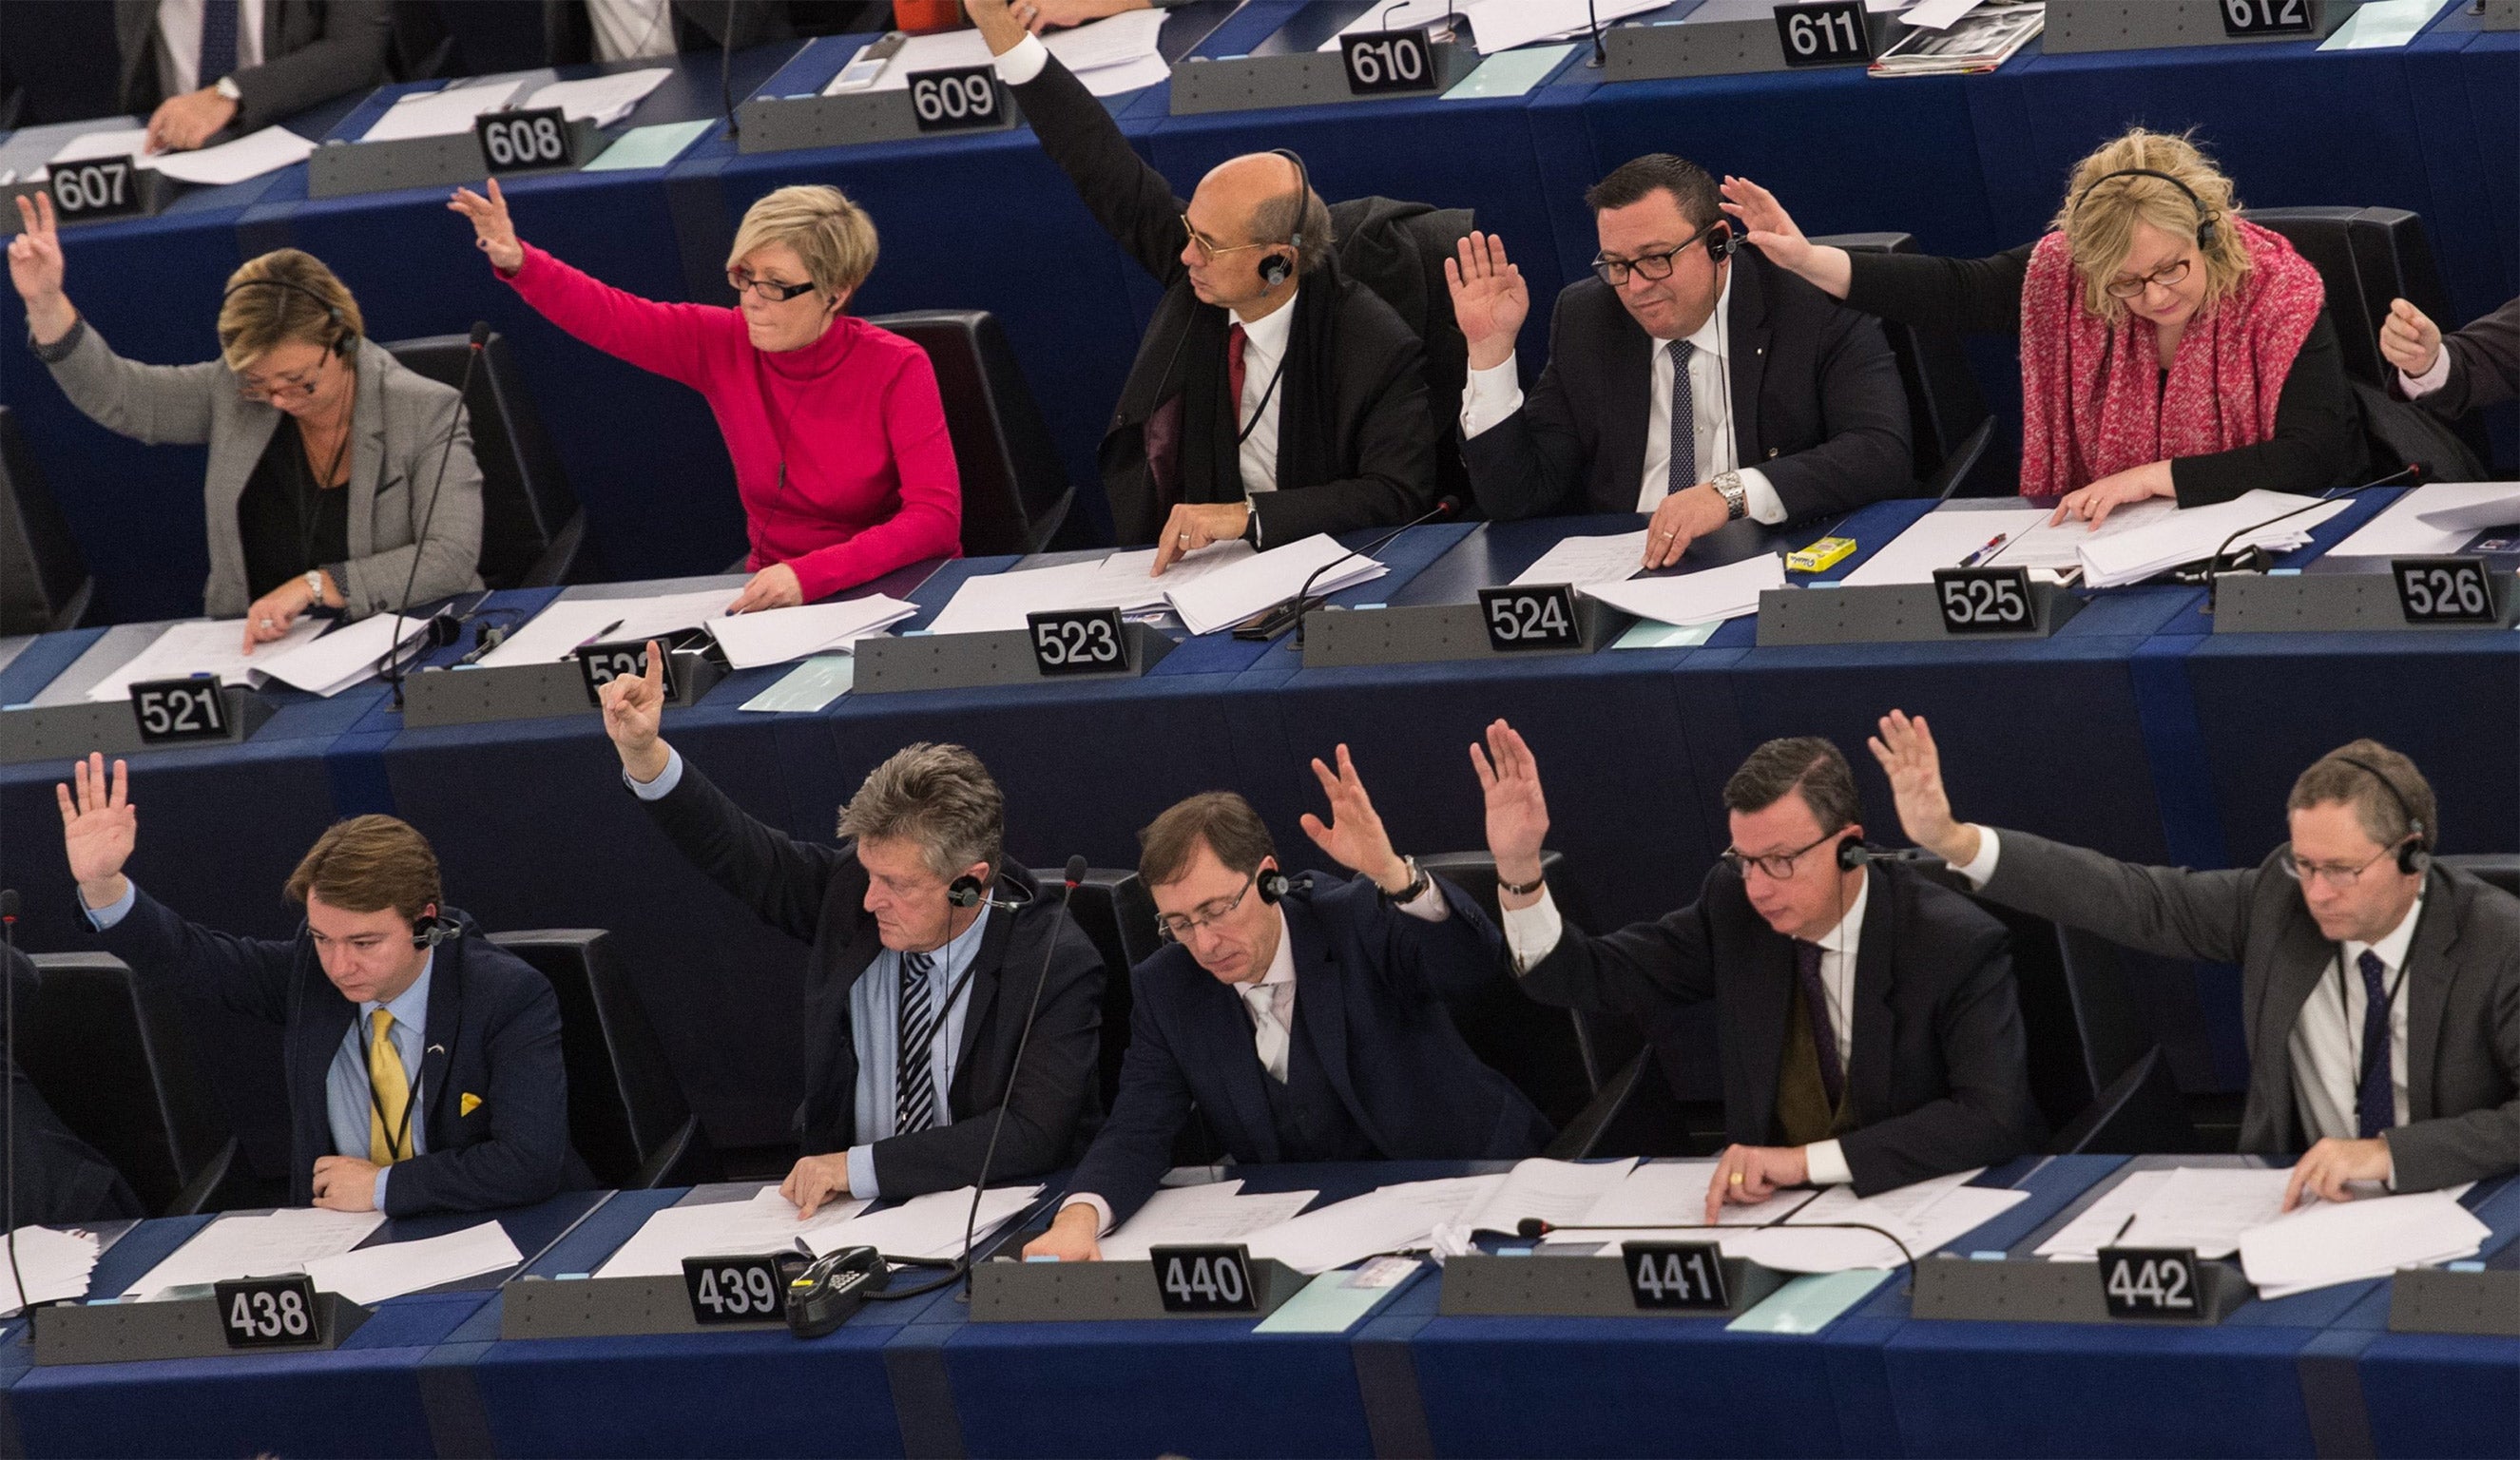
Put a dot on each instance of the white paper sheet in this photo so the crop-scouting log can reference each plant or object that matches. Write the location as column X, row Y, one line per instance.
column 1700, row 597
column 1659, row 1193
column 1925, row 1217
column 2099, row 1224
column 605, row 100
column 1553, row 1191
column 2207, row 1208
column 776, row 635
column 1133, row 75
column 1190, row 1216
column 1942, row 539
column 1586, row 560
column 1230, row 593
column 1115, row 41
column 346, row 656
column 1503, row 24
column 113, row 141
column 248, row 157
column 2434, row 519
column 57, row 1265
column 2328, row 1243
column 1386, row 1220
column 2383, row 24
column 372, row 1274
column 2040, row 545
column 1936, row 15
column 766, row 1223
column 2112, row 559
column 441, row 113
column 266, row 1246
column 928, row 1226
column 556, row 632
column 201, row 647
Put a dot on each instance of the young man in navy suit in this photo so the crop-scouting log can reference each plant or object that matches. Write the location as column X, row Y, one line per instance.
column 423, row 1061
column 1305, row 1017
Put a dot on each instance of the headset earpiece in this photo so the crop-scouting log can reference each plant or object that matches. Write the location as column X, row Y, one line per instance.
column 963, row 892
column 428, row 930
column 1272, row 884
column 1852, row 853
column 1275, row 269
column 1720, row 241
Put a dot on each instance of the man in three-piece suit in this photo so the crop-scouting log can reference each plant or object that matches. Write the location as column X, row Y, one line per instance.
column 1869, row 1028
column 1690, row 378
column 929, row 953
column 423, row 1061
column 2380, row 989
column 1306, row 1019
column 58, row 1177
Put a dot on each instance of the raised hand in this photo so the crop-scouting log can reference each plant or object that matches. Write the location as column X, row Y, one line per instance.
column 36, row 268
column 1770, row 228
column 2408, row 338
column 1905, row 749
column 1354, row 835
column 634, row 709
column 494, row 232
column 99, row 828
column 1517, row 813
column 1489, row 300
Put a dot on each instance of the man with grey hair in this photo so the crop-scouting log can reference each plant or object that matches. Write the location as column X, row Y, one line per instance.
column 929, row 951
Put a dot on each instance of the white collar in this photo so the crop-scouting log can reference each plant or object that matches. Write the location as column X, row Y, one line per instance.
column 1841, row 938
column 1281, row 966
column 1267, row 333
column 2392, row 947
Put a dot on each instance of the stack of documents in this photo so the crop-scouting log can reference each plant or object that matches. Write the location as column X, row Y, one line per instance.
column 2206, row 1208
column 1950, row 535
column 203, row 647
column 270, row 1245
column 372, row 1274
column 1924, row 1217
column 998, row 601
column 1390, row 1218
column 925, row 1226
column 348, row 655
column 1982, row 40
column 248, row 156
column 443, row 113
column 2436, row 519
column 776, row 635
column 2112, row 559
column 569, row 624
column 1584, row 561
column 1190, row 1216
column 1247, row 585
column 57, row 1266
column 1704, row 596
column 602, row 99
column 2326, row 1242
column 1110, row 56
column 766, row 1223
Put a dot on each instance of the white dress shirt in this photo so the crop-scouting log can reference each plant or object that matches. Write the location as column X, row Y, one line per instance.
column 1530, row 932
column 2418, row 386
column 1264, row 352
column 179, row 43
column 1495, row 393
column 630, row 29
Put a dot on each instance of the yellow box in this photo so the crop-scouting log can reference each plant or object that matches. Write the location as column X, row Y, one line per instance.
column 1822, row 555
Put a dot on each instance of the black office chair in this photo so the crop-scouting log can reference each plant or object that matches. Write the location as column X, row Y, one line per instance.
column 1398, row 249
column 44, row 583
column 2061, row 1081
column 1092, row 904
column 108, row 1052
column 1549, row 1053
column 626, row 1112
column 533, row 533
column 1947, row 415
column 2141, row 1113
column 2502, row 868
column 1014, row 491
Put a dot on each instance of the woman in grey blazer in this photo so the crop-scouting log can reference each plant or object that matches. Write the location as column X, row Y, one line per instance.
column 324, row 450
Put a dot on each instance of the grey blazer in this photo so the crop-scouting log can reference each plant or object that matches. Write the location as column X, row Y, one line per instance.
column 313, row 51
column 2462, row 989
column 398, row 427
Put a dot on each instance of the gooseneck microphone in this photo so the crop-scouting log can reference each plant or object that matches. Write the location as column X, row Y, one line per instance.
column 394, row 667
column 1532, row 1228
column 2414, row 474
column 1289, row 614
column 8, row 1011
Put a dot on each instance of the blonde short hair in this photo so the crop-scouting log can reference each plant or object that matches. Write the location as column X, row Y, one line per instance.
column 2098, row 224
column 284, row 295
column 834, row 236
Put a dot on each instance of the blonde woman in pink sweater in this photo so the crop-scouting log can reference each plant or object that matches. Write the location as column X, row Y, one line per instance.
column 835, row 426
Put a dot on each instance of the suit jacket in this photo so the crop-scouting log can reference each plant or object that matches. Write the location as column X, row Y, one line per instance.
column 568, row 36
column 2484, row 363
column 399, row 424
column 1939, row 1071
column 58, row 1177
column 2462, row 989
column 818, row 895
column 493, row 1034
column 312, row 51
column 1817, row 404
column 1370, row 986
column 1356, row 442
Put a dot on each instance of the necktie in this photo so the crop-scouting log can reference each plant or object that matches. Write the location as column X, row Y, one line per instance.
column 1236, row 342
column 388, row 1134
column 218, row 41
column 2375, row 1103
column 1684, row 424
column 914, row 1098
column 1269, row 1036
column 1832, row 1073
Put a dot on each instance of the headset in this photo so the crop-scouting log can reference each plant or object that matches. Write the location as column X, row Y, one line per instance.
column 344, row 338
column 2206, row 231
column 2416, row 853
column 1277, row 268
column 967, row 891
column 1271, row 884
column 429, row 929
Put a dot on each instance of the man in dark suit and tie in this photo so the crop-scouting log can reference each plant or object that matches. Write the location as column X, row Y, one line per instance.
column 1272, row 397
column 2452, row 375
column 422, row 1060
column 928, row 951
column 57, row 1177
column 1305, row 1018
column 200, row 68
column 2381, row 989
column 1869, row 1025
column 1689, row 378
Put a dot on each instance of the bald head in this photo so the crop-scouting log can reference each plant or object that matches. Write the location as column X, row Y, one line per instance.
column 1247, row 201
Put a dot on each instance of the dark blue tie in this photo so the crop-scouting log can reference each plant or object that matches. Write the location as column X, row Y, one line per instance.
column 1683, row 422
column 1833, row 1074
column 914, row 1098
column 218, row 40
column 2375, row 1103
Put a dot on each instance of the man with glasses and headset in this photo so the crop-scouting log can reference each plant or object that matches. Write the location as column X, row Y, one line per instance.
column 1869, row 1025
column 2381, row 989
column 1690, row 377
column 1304, row 1017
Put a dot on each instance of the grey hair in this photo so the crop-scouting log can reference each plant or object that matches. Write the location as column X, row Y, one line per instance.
column 1273, row 221
column 940, row 799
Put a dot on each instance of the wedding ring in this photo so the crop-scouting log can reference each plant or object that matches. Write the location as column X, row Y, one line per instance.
column 1737, row 1178
column 264, row 622
column 1185, row 539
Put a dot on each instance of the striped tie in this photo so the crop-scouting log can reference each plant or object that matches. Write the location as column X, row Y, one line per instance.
column 914, row 1102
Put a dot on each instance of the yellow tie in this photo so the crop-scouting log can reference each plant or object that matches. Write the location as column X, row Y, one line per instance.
column 389, row 1138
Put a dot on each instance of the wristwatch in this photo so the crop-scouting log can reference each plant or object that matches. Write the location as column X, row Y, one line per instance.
column 1737, row 496
column 226, row 86
column 1418, row 882
column 1524, row 889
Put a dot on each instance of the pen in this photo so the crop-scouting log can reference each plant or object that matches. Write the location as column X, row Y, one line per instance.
column 2123, row 1228
column 602, row 634
column 1993, row 543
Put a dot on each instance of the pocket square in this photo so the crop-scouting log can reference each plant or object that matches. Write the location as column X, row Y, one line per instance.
column 468, row 1104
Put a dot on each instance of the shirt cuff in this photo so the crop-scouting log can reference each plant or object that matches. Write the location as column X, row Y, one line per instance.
column 1102, row 1211
column 1492, row 395
column 665, row 782
column 861, row 1169
column 1531, row 933
column 1824, row 1164
column 377, row 1198
column 1764, row 503
column 101, row 918
column 1980, row 869
column 2430, row 380
column 1025, row 61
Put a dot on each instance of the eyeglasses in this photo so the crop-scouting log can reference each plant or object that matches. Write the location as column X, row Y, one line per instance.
column 1615, row 271
column 1209, row 248
column 282, row 387
column 1177, row 927
column 1778, row 866
column 2341, row 878
column 767, row 290
column 2167, row 276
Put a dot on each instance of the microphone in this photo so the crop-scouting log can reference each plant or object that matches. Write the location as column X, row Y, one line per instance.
column 2258, row 561
column 393, row 667
column 1593, row 24
column 1532, row 1228
column 1289, row 614
column 9, row 1009
column 725, row 71
column 1866, row 854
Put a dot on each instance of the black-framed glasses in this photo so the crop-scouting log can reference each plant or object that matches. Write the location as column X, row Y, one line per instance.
column 2335, row 874
column 769, row 291
column 1177, row 927
column 2167, row 276
column 282, row 387
column 1615, row 271
column 1778, row 866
